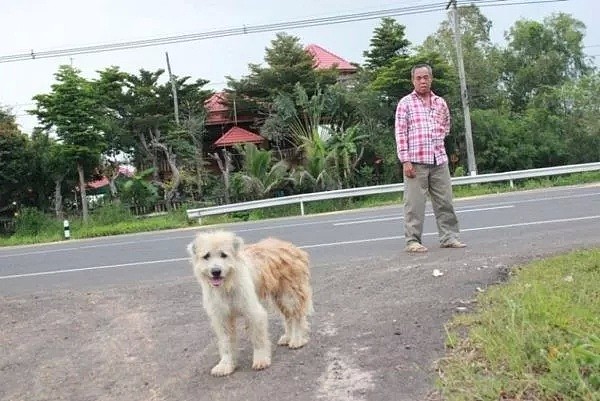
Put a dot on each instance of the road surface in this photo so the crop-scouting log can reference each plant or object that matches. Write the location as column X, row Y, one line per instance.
column 120, row 318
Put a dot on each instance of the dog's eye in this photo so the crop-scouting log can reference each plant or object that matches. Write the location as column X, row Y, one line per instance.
column 223, row 255
column 206, row 256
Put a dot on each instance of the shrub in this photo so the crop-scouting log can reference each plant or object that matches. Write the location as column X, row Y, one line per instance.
column 31, row 222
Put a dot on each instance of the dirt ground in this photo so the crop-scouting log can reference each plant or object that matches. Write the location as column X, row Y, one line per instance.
column 377, row 330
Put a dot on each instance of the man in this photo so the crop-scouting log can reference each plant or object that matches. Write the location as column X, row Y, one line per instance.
column 422, row 123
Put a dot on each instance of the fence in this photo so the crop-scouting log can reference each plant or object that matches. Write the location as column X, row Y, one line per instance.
column 382, row 189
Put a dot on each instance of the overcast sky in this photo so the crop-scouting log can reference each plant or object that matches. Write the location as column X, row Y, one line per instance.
column 59, row 24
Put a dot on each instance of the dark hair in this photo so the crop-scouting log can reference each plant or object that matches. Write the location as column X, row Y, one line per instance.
column 422, row 65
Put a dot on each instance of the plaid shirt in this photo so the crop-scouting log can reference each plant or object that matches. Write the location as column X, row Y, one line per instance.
column 420, row 129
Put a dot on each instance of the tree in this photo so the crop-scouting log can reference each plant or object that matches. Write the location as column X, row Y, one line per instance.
column 387, row 43
column 151, row 121
column 15, row 161
column 542, row 55
column 394, row 80
column 260, row 174
column 51, row 168
column 581, row 108
column 287, row 64
column 73, row 110
column 482, row 59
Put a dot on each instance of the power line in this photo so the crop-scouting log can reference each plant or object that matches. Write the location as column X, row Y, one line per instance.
column 304, row 23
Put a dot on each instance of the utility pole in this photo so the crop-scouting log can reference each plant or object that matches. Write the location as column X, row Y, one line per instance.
column 453, row 14
column 173, row 89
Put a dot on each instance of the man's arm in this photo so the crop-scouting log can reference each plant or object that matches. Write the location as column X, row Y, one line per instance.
column 446, row 121
column 401, row 131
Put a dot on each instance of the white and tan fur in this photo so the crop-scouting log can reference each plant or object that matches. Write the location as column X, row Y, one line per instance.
column 240, row 280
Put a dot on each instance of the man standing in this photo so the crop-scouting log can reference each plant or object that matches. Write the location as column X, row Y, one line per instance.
column 422, row 123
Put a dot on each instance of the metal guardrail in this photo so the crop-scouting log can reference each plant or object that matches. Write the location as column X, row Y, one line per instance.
column 382, row 189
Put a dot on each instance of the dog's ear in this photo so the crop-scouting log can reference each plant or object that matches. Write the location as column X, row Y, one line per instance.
column 191, row 248
column 238, row 242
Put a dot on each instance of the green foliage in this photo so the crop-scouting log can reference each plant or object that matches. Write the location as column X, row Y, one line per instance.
column 533, row 338
column 138, row 191
column 260, row 175
column 459, row 171
column 32, row 222
column 288, row 64
column 481, row 59
column 15, row 159
column 72, row 109
column 111, row 214
column 387, row 43
column 395, row 80
column 542, row 55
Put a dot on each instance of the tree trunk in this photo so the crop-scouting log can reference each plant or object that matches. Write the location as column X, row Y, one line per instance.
column 58, row 202
column 113, row 186
column 225, row 167
column 84, row 204
column 199, row 167
column 152, row 155
column 175, row 176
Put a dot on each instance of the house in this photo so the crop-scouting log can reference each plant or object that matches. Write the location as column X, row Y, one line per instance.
column 221, row 120
column 227, row 126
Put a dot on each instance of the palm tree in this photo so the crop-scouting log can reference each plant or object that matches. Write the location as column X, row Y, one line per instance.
column 260, row 176
column 345, row 146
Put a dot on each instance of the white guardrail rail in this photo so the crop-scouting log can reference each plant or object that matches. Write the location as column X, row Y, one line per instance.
column 381, row 189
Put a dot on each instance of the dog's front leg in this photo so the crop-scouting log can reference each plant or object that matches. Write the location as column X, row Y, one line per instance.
column 226, row 336
column 258, row 323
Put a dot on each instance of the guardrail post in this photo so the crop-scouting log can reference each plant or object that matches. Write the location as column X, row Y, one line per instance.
column 67, row 230
column 301, row 208
column 512, row 184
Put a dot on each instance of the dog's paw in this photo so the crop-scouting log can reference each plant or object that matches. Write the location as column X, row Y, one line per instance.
column 284, row 340
column 222, row 369
column 297, row 343
column 261, row 363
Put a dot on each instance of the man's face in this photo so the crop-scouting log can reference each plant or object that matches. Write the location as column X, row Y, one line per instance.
column 422, row 80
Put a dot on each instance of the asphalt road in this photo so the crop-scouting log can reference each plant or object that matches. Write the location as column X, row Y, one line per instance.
column 563, row 216
column 120, row 318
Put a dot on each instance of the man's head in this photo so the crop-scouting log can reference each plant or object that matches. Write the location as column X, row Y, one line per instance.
column 421, row 76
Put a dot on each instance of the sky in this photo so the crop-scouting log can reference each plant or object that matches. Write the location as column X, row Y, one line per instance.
column 61, row 24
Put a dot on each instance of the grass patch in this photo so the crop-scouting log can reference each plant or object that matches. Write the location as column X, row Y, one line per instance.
column 535, row 338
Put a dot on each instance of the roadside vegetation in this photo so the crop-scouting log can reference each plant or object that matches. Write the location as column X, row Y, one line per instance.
column 33, row 226
column 535, row 338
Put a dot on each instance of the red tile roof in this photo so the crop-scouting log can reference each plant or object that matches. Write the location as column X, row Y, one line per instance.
column 324, row 59
column 238, row 135
column 218, row 112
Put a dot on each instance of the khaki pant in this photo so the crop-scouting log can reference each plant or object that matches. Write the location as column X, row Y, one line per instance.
column 434, row 180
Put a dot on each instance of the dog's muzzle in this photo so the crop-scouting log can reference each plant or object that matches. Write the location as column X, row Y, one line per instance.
column 215, row 278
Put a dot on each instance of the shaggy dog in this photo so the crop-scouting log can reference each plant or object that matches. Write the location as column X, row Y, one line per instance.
column 240, row 280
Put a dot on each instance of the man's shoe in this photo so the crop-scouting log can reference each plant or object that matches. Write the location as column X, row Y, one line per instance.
column 415, row 247
column 454, row 243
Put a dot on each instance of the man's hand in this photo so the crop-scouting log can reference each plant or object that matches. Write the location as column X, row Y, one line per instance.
column 408, row 170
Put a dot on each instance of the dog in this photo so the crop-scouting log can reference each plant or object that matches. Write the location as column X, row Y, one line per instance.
column 241, row 281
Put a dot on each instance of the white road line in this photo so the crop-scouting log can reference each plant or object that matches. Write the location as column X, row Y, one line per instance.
column 339, row 243
column 532, row 223
column 376, row 220
column 48, row 273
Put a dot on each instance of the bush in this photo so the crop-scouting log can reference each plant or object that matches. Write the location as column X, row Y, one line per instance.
column 111, row 214
column 32, row 222
column 459, row 171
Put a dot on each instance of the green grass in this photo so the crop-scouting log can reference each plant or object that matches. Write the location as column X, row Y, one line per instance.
column 535, row 338
column 113, row 220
